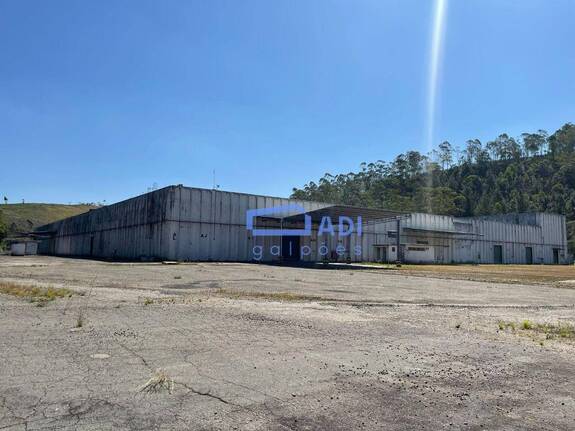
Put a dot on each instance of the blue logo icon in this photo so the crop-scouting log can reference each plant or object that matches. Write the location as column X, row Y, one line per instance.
column 287, row 210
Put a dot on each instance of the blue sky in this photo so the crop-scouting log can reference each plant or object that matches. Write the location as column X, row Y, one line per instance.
column 99, row 100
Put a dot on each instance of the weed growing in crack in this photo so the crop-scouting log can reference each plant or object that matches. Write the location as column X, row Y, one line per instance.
column 526, row 324
column 506, row 325
column 159, row 382
column 80, row 320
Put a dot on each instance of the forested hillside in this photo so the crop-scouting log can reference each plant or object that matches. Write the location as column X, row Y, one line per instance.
column 533, row 172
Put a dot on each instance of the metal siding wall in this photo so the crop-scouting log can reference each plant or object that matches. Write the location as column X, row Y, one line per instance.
column 210, row 225
column 126, row 230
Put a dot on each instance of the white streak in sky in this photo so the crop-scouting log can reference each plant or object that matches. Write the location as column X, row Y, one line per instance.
column 434, row 64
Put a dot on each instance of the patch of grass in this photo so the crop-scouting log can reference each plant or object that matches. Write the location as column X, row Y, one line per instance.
column 159, row 382
column 550, row 330
column 271, row 296
column 34, row 293
column 148, row 301
column 526, row 324
column 506, row 325
column 561, row 330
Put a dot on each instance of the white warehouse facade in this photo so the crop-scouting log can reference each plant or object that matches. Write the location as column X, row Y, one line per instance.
column 192, row 224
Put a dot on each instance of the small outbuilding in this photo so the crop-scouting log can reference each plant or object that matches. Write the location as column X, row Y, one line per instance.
column 22, row 248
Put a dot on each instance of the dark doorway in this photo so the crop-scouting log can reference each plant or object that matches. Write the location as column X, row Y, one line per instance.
column 556, row 256
column 529, row 255
column 290, row 248
column 498, row 254
column 381, row 254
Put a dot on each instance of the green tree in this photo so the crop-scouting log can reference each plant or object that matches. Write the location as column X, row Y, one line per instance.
column 563, row 140
column 440, row 200
column 534, row 173
column 534, row 143
column 3, row 228
column 445, row 154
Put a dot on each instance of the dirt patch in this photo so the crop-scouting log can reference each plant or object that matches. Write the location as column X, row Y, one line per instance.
column 564, row 275
column 270, row 296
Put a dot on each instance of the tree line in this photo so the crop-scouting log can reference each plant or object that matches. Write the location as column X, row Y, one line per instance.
column 532, row 172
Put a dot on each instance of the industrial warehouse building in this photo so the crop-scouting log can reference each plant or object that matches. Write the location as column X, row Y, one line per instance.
column 191, row 224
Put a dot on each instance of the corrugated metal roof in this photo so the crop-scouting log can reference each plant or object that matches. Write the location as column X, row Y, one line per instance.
column 446, row 231
column 335, row 211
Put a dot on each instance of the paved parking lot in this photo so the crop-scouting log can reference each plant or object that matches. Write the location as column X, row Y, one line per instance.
column 242, row 346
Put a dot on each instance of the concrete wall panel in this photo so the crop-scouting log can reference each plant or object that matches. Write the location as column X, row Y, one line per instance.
column 198, row 224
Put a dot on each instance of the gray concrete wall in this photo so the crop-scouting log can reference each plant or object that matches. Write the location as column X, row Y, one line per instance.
column 184, row 223
column 211, row 225
column 472, row 239
column 131, row 229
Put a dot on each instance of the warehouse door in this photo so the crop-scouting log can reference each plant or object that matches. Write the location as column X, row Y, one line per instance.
column 290, row 248
column 380, row 253
column 556, row 256
column 497, row 254
column 528, row 255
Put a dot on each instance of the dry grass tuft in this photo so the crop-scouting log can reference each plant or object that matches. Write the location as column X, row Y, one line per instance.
column 557, row 275
column 561, row 330
column 271, row 296
column 80, row 320
column 34, row 293
column 526, row 324
column 550, row 330
column 506, row 325
column 159, row 382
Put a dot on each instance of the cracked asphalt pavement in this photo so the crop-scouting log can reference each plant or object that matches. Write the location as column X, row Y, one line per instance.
column 350, row 349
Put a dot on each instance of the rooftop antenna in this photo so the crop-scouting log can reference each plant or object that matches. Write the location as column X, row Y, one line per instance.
column 214, row 185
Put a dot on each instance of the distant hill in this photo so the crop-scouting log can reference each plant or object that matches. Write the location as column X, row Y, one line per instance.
column 25, row 217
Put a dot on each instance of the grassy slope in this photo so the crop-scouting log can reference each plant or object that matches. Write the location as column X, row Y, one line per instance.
column 24, row 217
